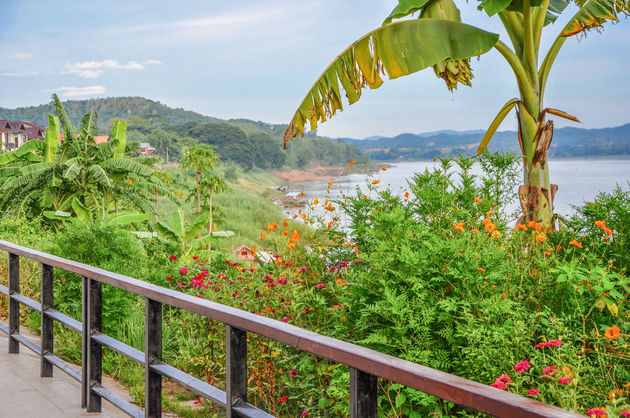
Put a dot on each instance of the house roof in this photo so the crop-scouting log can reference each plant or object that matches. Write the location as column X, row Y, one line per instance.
column 34, row 125
column 34, row 133
column 99, row 139
column 241, row 247
column 4, row 124
column 17, row 125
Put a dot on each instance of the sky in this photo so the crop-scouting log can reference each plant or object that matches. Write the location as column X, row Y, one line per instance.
column 257, row 60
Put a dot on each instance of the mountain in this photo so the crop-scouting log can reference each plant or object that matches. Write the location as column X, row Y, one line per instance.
column 567, row 142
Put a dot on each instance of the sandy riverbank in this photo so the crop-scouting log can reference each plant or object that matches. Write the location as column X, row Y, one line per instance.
column 322, row 173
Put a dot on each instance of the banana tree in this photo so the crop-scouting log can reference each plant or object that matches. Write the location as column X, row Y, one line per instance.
column 438, row 39
column 200, row 160
column 179, row 231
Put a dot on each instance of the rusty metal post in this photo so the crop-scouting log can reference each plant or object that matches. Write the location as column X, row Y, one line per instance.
column 46, row 322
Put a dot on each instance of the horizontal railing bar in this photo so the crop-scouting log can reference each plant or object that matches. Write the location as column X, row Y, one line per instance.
column 64, row 319
column 4, row 289
column 4, row 328
column 27, row 343
column 120, row 347
column 198, row 386
column 27, row 301
column 64, row 366
column 468, row 393
column 248, row 410
column 117, row 401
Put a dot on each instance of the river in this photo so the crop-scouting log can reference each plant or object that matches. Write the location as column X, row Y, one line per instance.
column 578, row 180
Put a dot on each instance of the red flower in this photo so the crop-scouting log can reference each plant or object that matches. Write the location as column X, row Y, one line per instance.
column 283, row 399
column 195, row 257
column 522, row 366
column 173, row 257
column 564, row 380
column 169, row 278
column 285, row 319
column 533, row 392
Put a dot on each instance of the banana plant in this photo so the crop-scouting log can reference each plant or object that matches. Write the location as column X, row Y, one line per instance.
column 437, row 38
column 178, row 230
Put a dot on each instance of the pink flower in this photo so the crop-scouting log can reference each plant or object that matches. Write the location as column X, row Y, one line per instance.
column 305, row 413
column 625, row 413
column 169, row 278
column 596, row 412
column 549, row 370
column 499, row 385
column 505, row 378
column 564, row 380
column 198, row 401
column 183, row 270
column 533, row 392
column 173, row 257
column 320, row 285
column 522, row 366
column 550, row 343
column 293, row 373
column 285, row 319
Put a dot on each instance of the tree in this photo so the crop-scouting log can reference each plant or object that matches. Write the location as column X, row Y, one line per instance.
column 438, row 39
column 200, row 160
column 211, row 184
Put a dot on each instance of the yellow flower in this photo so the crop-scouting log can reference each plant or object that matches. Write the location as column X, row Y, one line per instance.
column 496, row 234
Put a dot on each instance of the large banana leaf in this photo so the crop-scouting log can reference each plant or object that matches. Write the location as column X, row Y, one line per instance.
column 53, row 139
column 397, row 49
column 125, row 218
column 68, row 129
column 119, row 138
column 127, row 164
column 89, row 126
column 82, row 212
column 405, row 8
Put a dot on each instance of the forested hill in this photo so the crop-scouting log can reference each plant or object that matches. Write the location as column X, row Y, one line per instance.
column 567, row 142
column 107, row 109
column 244, row 142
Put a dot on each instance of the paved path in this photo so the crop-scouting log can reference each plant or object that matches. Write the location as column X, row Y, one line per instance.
column 24, row 394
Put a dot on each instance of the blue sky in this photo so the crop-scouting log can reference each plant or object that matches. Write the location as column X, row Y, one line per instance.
column 257, row 59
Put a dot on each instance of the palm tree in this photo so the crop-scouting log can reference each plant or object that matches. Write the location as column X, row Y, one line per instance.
column 211, row 184
column 199, row 159
column 438, row 39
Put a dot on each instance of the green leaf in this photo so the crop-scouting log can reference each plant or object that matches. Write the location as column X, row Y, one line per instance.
column 398, row 49
column 53, row 139
column 405, row 8
column 505, row 110
column 493, row 7
column 119, row 138
column 198, row 225
column 178, row 223
column 82, row 212
column 68, row 129
column 89, row 124
column 125, row 218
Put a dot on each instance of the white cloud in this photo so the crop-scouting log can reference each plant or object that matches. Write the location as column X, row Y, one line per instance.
column 23, row 73
column 93, row 69
column 81, row 91
column 21, row 55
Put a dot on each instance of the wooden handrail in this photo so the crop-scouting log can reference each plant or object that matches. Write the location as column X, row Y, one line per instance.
column 365, row 364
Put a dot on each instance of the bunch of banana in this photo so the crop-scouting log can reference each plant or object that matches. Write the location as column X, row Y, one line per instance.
column 451, row 71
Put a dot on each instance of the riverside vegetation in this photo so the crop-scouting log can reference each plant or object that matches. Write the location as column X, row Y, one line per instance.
column 433, row 273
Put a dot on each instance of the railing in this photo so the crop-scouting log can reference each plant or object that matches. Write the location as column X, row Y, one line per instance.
column 366, row 365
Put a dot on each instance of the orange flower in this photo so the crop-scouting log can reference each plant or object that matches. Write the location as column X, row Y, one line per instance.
column 478, row 200
column 496, row 234
column 490, row 212
column 503, row 295
column 547, row 252
column 316, row 201
column 326, row 202
column 601, row 224
column 376, row 182
column 347, row 244
column 475, row 230
column 330, row 184
column 262, row 237
column 489, row 226
column 351, row 163
column 340, row 282
column 285, row 223
column 301, row 194
column 406, row 195
column 285, row 232
column 295, row 237
column 459, row 226
column 481, row 269
column 534, row 225
column 329, row 208
column 384, row 168
column 575, row 243
column 608, row 231
column 522, row 227
column 612, row 333
column 541, row 237
column 304, row 215
column 329, row 225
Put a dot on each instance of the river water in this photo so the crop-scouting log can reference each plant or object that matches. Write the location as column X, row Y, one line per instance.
column 578, row 180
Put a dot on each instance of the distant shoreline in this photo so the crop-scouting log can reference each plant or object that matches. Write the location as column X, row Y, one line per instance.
column 595, row 157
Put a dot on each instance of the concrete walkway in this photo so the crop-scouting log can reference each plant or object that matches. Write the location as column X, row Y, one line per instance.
column 24, row 394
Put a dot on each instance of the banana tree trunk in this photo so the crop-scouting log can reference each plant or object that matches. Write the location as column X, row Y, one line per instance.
column 157, row 195
column 537, row 193
column 197, row 177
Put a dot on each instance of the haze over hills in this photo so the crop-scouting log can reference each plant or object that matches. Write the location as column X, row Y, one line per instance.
column 567, row 142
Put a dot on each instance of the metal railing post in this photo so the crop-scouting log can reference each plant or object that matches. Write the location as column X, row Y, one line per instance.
column 95, row 351
column 152, row 353
column 14, row 305
column 363, row 394
column 236, row 368
column 46, row 322
column 85, row 338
